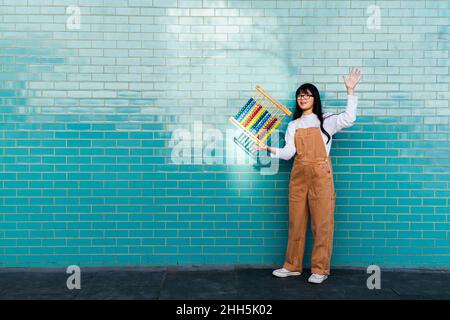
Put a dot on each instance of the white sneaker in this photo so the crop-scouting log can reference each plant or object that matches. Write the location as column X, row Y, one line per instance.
column 317, row 278
column 283, row 273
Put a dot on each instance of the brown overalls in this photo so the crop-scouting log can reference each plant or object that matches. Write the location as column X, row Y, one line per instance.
column 311, row 191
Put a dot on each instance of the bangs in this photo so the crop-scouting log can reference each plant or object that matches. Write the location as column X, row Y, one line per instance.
column 305, row 88
column 304, row 91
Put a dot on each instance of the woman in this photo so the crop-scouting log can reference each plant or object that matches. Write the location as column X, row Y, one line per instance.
column 311, row 187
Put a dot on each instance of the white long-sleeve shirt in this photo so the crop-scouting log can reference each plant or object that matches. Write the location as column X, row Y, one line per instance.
column 332, row 123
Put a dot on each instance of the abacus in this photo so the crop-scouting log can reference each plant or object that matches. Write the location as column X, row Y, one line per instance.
column 258, row 119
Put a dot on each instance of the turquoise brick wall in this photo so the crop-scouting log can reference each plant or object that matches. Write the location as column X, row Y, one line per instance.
column 88, row 115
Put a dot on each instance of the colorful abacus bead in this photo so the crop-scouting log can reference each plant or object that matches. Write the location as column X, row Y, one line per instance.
column 260, row 118
column 253, row 114
column 262, row 123
column 253, row 106
column 267, row 128
column 246, row 111
column 243, row 109
column 256, row 118
column 276, row 124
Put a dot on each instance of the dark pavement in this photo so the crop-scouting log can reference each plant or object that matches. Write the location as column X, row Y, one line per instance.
column 219, row 284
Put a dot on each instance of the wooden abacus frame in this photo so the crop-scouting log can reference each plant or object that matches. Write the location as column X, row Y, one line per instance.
column 263, row 102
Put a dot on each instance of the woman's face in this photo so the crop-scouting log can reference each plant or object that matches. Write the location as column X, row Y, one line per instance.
column 305, row 100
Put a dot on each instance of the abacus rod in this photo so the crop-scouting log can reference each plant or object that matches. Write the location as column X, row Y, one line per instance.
column 278, row 104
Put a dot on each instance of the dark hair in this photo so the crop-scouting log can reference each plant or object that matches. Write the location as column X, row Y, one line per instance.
column 317, row 108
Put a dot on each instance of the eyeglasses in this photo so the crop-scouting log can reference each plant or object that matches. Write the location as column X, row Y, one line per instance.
column 304, row 96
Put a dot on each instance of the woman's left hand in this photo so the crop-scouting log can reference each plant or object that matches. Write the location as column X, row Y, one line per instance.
column 352, row 80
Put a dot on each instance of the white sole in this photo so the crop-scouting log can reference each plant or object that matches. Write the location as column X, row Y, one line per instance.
column 318, row 282
column 284, row 275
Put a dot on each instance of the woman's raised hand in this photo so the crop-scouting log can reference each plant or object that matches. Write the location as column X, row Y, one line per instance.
column 352, row 80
